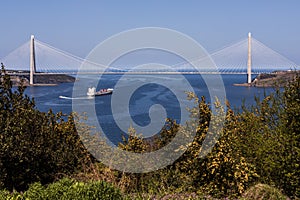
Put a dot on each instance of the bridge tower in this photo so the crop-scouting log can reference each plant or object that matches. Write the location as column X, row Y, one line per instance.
column 32, row 60
column 249, row 63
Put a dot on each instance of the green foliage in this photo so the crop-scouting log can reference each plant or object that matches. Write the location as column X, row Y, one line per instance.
column 269, row 138
column 259, row 144
column 34, row 146
column 227, row 172
column 66, row 189
column 223, row 171
column 4, row 194
column 134, row 142
column 153, row 181
column 289, row 127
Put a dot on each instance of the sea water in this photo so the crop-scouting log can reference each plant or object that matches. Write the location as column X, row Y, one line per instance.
column 152, row 90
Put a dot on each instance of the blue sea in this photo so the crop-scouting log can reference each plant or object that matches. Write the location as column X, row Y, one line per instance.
column 135, row 97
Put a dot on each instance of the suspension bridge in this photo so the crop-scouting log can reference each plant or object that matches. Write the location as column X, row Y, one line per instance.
column 248, row 56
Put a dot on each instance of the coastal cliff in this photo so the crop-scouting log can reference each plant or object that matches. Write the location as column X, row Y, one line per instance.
column 275, row 79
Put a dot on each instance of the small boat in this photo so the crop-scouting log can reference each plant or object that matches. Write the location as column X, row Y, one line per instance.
column 92, row 92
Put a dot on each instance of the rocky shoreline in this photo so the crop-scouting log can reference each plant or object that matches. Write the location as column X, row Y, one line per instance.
column 275, row 79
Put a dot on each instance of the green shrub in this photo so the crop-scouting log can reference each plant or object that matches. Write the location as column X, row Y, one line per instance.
column 34, row 146
column 263, row 192
column 69, row 189
column 269, row 138
column 4, row 194
column 35, row 191
column 66, row 189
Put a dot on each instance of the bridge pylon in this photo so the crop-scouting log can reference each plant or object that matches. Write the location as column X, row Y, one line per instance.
column 249, row 63
column 32, row 60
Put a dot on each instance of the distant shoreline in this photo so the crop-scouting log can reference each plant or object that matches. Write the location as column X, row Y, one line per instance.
column 278, row 78
column 42, row 79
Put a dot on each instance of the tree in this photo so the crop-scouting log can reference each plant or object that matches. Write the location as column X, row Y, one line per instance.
column 34, row 146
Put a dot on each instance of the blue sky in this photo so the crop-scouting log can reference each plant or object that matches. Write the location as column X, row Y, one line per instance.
column 76, row 26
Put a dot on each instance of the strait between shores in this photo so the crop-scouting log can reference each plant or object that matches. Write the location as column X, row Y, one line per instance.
column 274, row 79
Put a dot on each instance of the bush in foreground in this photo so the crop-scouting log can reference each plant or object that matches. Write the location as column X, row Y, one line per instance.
column 263, row 192
column 66, row 189
column 34, row 146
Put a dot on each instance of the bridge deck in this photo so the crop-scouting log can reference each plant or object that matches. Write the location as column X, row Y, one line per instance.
column 117, row 73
